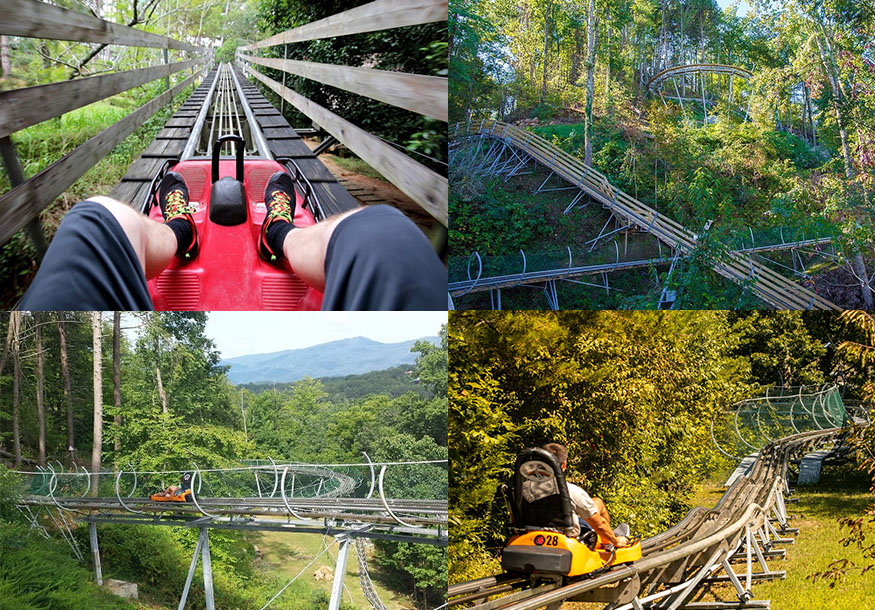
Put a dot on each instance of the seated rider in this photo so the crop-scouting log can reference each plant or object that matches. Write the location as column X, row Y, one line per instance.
column 175, row 490
column 368, row 258
column 591, row 512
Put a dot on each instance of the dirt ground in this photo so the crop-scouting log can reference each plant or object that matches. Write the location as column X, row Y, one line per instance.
column 381, row 190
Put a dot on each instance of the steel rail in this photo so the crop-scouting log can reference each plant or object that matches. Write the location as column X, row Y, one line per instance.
column 193, row 139
column 258, row 138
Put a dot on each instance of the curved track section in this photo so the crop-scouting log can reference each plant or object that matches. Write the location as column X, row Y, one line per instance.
column 768, row 285
column 661, row 77
column 745, row 526
column 331, row 498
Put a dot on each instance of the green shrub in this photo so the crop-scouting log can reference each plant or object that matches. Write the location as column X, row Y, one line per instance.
column 40, row 574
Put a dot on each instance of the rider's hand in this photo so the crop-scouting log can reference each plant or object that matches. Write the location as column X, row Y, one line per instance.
column 622, row 541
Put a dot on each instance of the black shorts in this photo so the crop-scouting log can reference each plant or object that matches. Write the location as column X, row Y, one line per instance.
column 90, row 265
column 377, row 259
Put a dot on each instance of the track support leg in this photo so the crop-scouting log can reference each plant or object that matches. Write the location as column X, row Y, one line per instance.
column 95, row 552
column 339, row 573
column 202, row 549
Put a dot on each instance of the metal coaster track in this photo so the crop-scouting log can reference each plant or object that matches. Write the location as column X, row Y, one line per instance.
column 768, row 285
column 673, row 71
column 309, row 497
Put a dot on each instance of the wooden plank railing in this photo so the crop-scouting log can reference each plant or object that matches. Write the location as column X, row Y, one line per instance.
column 770, row 286
column 33, row 19
column 26, row 200
column 426, row 95
column 372, row 17
column 22, row 108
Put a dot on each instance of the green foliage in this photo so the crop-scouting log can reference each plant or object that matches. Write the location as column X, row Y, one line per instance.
column 227, row 52
column 10, row 492
column 630, row 394
column 784, row 347
column 495, row 221
column 40, row 574
column 393, row 382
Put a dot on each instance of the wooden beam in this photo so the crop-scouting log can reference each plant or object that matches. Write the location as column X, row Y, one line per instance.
column 425, row 95
column 27, row 200
column 425, row 187
column 22, row 108
column 34, row 19
column 378, row 15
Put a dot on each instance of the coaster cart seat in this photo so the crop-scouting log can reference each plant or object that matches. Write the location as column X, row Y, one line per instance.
column 542, row 517
column 229, row 274
column 182, row 496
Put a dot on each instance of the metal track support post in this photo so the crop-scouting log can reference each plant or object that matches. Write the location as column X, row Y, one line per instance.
column 339, row 573
column 188, row 579
column 16, row 177
column 208, row 569
column 95, row 552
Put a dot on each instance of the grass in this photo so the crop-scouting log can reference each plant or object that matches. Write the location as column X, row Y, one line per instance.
column 41, row 145
column 354, row 164
column 841, row 493
column 285, row 555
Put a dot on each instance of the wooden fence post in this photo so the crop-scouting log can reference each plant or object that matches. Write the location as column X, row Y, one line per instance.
column 16, row 177
column 167, row 63
column 282, row 99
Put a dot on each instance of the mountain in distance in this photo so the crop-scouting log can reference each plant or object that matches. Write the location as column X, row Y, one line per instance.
column 335, row 359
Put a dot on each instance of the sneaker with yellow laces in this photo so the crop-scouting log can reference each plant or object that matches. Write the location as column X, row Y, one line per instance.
column 178, row 214
column 279, row 198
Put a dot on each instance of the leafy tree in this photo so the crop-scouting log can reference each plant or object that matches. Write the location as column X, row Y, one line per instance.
column 630, row 394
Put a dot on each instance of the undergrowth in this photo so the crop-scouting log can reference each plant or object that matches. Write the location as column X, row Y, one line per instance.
column 41, row 145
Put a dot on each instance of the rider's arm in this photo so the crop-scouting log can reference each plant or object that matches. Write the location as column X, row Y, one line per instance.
column 598, row 523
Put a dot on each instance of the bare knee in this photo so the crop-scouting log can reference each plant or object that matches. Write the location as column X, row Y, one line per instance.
column 129, row 219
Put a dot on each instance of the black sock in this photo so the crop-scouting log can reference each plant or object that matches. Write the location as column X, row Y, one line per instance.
column 276, row 235
column 184, row 234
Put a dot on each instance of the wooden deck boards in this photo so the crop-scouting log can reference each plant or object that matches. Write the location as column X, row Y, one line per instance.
column 281, row 138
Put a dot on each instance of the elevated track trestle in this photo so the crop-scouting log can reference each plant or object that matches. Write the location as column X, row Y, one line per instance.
column 740, row 267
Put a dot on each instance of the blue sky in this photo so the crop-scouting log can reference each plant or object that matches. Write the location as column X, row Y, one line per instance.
column 239, row 333
column 742, row 8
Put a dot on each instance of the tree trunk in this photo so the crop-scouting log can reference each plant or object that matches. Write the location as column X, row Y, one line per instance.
column 838, row 103
column 590, row 81
column 97, row 443
column 7, row 347
column 15, row 320
column 5, row 64
column 161, row 393
column 40, row 385
column 838, row 100
column 546, row 48
column 116, row 383
column 68, row 392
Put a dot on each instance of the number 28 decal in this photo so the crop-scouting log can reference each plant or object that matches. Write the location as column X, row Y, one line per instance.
column 541, row 540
